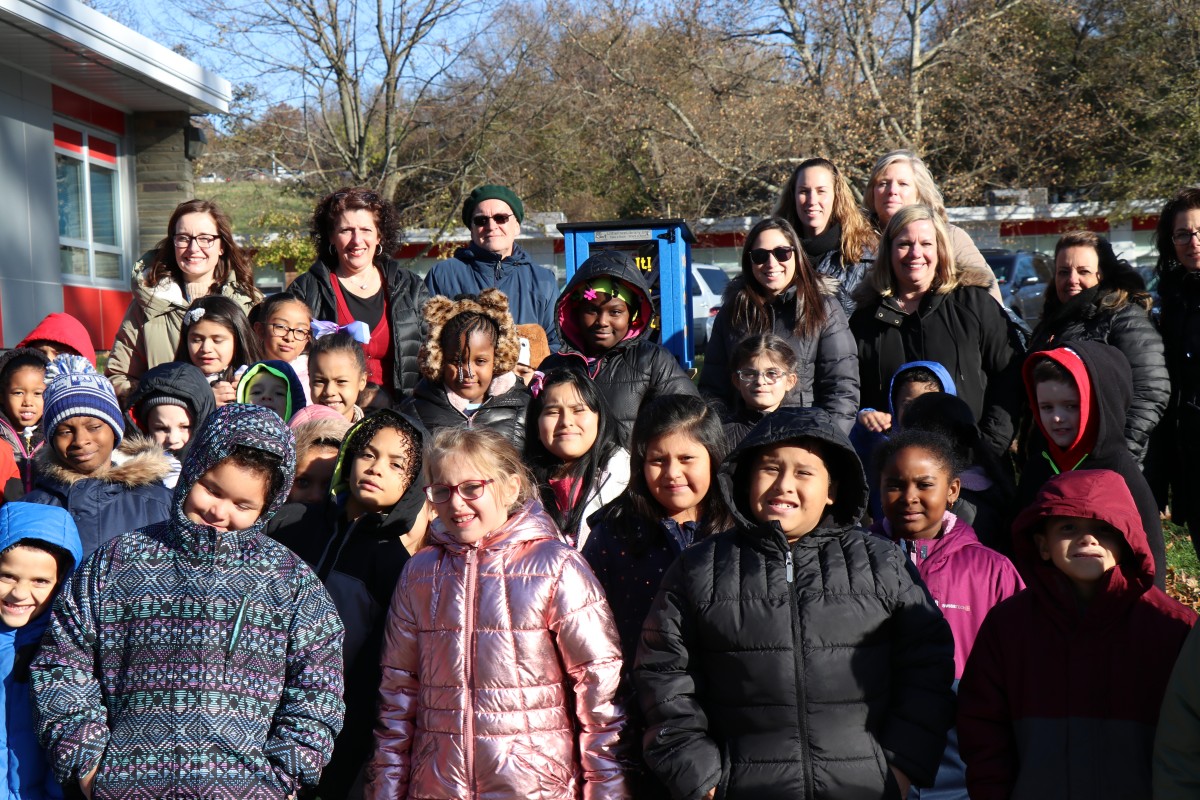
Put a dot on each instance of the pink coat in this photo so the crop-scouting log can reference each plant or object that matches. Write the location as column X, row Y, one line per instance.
column 501, row 660
column 965, row 577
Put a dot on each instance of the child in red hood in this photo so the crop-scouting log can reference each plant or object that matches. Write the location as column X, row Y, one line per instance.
column 1080, row 396
column 1062, row 690
column 60, row 334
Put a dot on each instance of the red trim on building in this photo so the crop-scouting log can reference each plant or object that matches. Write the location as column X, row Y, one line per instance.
column 83, row 109
column 1145, row 223
column 1052, row 227
column 100, row 311
column 68, row 139
column 734, row 240
column 102, row 150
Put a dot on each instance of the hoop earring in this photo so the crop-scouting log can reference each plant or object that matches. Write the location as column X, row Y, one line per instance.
column 332, row 252
column 379, row 249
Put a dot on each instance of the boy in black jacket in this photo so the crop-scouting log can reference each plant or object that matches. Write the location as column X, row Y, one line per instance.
column 794, row 655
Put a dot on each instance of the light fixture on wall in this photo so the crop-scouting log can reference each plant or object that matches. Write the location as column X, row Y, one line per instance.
column 194, row 142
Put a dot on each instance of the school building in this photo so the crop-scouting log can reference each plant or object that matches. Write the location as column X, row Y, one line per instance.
column 96, row 150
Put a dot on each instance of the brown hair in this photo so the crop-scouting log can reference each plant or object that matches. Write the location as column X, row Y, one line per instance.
column 449, row 321
column 332, row 206
column 882, row 279
column 488, row 450
column 1186, row 200
column 858, row 236
column 1047, row 370
column 1121, row 284
column 233, row 259
column 749, row 297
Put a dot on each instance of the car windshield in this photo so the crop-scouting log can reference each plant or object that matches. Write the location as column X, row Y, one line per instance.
column 715, row 278
column 1002, row 264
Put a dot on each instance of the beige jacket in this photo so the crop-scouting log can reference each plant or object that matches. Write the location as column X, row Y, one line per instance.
column 149, row 333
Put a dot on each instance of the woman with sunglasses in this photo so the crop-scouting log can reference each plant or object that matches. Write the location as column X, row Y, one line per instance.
column 493, row 214
column 197, row 257
column 355, row 279
column 779, row 292
column 916, row 305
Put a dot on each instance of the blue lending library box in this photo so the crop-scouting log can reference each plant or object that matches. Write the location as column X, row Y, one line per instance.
column 662, row 249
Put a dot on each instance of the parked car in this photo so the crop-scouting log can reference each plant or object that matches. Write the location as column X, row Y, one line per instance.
column 707, row 282
column 1023, row 276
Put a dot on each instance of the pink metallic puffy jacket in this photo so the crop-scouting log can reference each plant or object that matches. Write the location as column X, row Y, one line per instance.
column 501, row 658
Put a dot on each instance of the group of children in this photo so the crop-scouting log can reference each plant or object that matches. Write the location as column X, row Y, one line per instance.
column 578, row 580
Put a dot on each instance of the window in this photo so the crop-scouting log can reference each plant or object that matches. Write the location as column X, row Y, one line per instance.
column 90, row 222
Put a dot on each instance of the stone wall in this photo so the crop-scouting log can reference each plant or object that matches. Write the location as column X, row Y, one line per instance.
column 163, row 173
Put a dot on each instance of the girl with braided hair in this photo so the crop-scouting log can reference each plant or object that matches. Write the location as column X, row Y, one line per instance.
column 467, row 367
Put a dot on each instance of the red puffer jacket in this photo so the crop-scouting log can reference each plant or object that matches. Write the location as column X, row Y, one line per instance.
column 500, row 659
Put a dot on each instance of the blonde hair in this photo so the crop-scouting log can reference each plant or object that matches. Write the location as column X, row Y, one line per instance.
column 858, row 235
column 882, row 278
column 928, row 194
column 495, row 456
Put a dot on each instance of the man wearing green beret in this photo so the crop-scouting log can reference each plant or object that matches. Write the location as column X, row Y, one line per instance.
column 493, row 214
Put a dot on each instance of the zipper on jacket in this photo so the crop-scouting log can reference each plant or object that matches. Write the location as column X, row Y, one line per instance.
column 801, row 679
column 469, row 670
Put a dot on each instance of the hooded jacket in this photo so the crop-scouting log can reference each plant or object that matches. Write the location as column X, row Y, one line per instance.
column 24, row 768
column 635, row 369
column 280, row 369
column 531, row 289
column 406, row 295
column 776, row 670
column 359, row 561
column 1126, row 327
column 831, row 265
column 503, row 409
column 23, row 447
column 188, row 662
column 1179, row 321
column 943, row 376
column 184, row 382
column 149, row 334
column 1102, row 375
column 64, row 329
column 127, row 494
column 1058, row 699
column 500, row 667
column 827, row 362
column 965, row 330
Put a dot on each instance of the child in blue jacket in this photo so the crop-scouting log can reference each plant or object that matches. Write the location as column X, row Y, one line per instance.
column 39, row 547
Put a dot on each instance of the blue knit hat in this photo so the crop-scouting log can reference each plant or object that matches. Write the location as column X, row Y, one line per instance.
column 75, row 389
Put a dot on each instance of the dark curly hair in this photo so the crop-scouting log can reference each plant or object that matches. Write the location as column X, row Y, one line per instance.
column 1186, row 200
column 332, row 206
column 361, row 435
column 935, row 442
column 260, row 462
column 233, row 258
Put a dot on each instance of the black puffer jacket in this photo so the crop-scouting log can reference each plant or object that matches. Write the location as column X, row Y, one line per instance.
column 965, row 331
column 773, row 686
column 828, row 363
column 848, row 279
column 1127, row 328
column 184, row 382
column 636, row 369
column 1179, row 321
column 359, row 561
column 504, row 413
column 406, row 295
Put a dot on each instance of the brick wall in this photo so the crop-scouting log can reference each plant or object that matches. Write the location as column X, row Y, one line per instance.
column 163, row 173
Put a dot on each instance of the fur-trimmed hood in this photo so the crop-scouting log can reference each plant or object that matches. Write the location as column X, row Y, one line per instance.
column 137, row 462
column 491, row 303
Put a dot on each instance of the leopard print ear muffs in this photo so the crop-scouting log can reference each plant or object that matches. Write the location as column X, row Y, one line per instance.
column 491, row 303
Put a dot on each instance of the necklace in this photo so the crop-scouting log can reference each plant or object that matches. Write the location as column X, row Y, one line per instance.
column 362, row 287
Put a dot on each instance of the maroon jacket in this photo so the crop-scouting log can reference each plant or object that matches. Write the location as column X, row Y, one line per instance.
column 1058, row 699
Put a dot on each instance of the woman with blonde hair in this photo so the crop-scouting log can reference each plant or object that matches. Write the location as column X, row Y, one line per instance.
column 835, row 234
column 916, row 305
column 900, row 178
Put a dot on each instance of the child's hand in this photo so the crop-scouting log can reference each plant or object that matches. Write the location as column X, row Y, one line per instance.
column 875, row 421
column 85, row 783
column 711, row 793
column 902, row 779
column 223, row 393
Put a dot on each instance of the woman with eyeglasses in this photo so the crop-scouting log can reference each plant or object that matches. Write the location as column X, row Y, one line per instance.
column 355, row 279
column 1177, row 438
column 1096, row 296
column 916, row 305
column 198, row 257
column 779, row 292
column 835, row 234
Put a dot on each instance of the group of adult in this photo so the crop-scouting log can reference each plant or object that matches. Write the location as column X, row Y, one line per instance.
column 855, row 290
